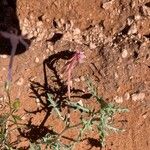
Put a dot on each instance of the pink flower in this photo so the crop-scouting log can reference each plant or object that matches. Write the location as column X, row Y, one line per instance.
column 76, row 59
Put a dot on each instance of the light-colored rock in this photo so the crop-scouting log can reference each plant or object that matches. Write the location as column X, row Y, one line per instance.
column 126, row 96
column 118, row 99
column 146, row 10
column 20, row 81
column 107, row 5
column 77, row 80
column 133, row 29
column 82, row 78
column 124, row 53
column 39, row 23
column 50, row 47
column 76, row 31
column 92, row 45
column 3, row 56
column 37, row 60
column 138, row 96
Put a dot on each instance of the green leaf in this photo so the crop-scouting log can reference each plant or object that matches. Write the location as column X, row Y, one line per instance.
column 34, row 146
column 16, row 117
column 16, row 104
column 3, row 118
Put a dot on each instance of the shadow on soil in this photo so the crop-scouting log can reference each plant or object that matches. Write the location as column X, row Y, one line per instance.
column 57, row 88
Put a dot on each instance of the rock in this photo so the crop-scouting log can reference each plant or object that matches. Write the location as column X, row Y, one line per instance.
column 108, row 4
column 3, row 56
column 76, row 31
column 126, row 96
column 124, row 53
column 39, row 23
column 20, row 81
column 67, row 36
column 38, row 102
column 138, row 96
column 80, row 103
column 50, row 47
column 77, row 80
column 118, row 99
column 146, row 10
column 37, row 60
column 82, row 78
column 47, row 51
column 92, row 45
column 133, row 29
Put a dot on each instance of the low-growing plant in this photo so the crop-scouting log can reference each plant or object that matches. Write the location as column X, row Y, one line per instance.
column 90, row 119
column 9, row 121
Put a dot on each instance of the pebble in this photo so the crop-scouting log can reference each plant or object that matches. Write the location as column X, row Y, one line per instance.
column 138, row 96
column 137, row 17
column 116, row 75
column 118, row 99
column 133, row 29
column 146, row 10
column 126, row 96
column 3, row 56
column 92, row 45
column 77, row 80
column 50, row 47
column 107, row 5
column 37, row 60
column 80, row 103
column 38, row 102
column 76, row 31
column 124, row 53
column 20, row 81
column 47, row 51
column 82, row 78
column 39, row 23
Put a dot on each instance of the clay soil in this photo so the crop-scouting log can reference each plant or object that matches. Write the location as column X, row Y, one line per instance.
column 115, row 38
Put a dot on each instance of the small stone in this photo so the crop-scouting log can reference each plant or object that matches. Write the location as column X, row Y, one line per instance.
column 35, row 33
column 67, row 36
column 3, row 56
column 80, row 103
column 76, row 31
column 138, row 96
column 82, row 78
column 137, row 17
column 146, row 10
column 107, row 5
column 38, row 102
column 47, row 50
column 133, row 29
column 92, row 45
column 118, row 99
column 130, row 21
column 50, row 47
column 62, row 21
column 23, row 118
column 144, row 116
column 77, row 80
column 4, row 69
column 39, row 23
column 30, row 35
column 124, row 53
column 116, row 75
column 20, row 81
column 126, row 96
column 37, row 60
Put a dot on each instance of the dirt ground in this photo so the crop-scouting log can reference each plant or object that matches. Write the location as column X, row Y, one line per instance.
column 115, row 37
